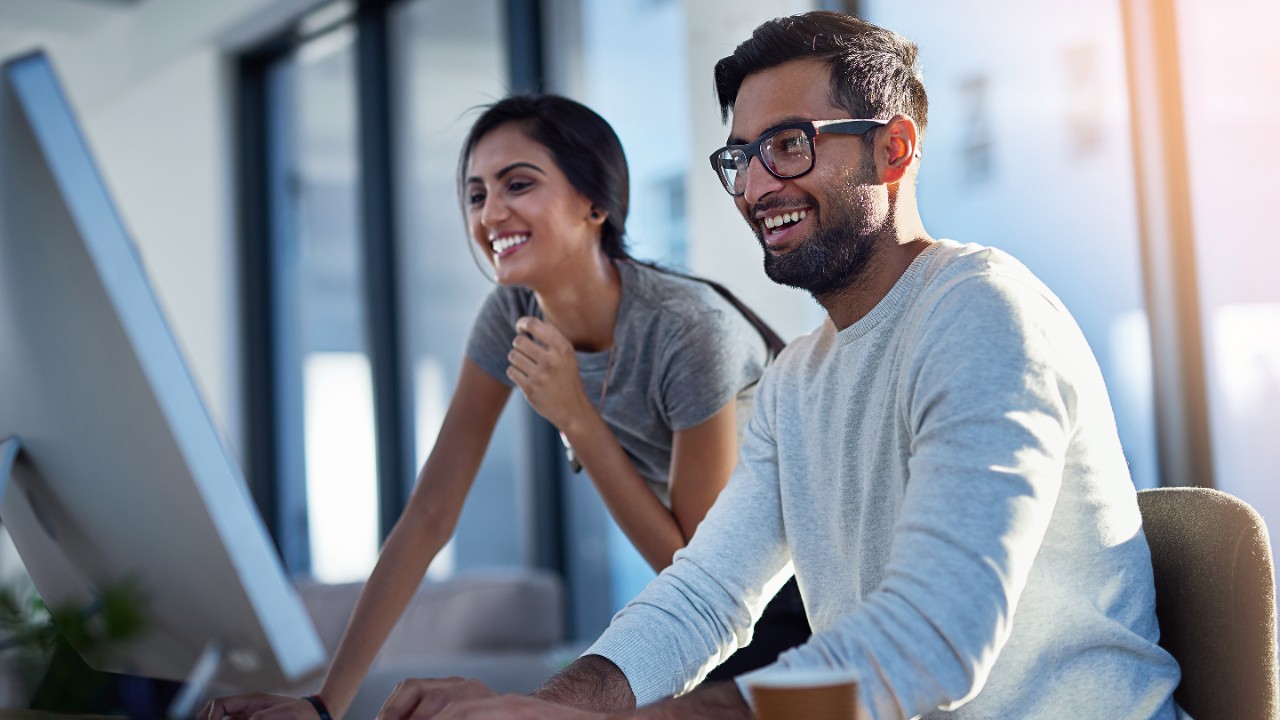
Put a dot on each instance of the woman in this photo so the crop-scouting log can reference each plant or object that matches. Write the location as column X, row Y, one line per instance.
column 643, row 371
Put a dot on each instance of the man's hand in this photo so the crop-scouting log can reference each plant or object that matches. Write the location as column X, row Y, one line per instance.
column 425, row 698
column 512, row 707
column 260, row 706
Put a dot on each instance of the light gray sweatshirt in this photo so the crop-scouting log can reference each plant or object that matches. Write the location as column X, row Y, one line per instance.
column 945, row 478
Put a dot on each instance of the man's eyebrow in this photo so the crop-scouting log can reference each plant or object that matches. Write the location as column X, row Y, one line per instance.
column 738, row 140
column 513, row 166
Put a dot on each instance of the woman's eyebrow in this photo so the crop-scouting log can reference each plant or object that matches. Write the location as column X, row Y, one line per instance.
column 508, row 169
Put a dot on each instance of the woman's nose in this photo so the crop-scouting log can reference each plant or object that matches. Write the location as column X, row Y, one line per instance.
column 493, row 212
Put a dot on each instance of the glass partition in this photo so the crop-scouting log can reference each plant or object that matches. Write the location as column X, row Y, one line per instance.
column 1228, row 62
column 448, row 59
column 323, row 372
column 1028, row 149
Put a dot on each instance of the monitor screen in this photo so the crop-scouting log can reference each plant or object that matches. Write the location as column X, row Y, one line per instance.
column 111, row 468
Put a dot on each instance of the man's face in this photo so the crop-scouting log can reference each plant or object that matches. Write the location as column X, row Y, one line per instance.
column 818, row 230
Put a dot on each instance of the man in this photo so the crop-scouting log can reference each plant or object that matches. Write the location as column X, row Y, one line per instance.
column 938, row 462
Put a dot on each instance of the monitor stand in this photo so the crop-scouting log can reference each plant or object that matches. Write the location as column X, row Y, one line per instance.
column 9, row 450
column 24, row 517
column 196, row 687
column 206, row 667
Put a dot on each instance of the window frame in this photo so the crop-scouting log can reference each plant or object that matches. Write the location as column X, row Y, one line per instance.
column 272, row 442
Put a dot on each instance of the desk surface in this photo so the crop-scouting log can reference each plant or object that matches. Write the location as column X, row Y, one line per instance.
column 42, row 715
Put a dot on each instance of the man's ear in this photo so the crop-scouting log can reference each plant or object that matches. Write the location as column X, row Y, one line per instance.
column 898, row 148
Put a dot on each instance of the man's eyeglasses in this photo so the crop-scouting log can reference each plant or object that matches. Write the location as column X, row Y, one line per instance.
column 786, row 151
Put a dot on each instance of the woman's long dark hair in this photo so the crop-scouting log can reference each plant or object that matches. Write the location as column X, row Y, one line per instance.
column 588, row 152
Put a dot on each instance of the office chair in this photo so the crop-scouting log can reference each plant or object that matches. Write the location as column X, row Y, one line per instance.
column 1215, row 600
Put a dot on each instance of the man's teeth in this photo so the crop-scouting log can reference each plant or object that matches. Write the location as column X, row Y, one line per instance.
column 776, row 221
column 502, row 244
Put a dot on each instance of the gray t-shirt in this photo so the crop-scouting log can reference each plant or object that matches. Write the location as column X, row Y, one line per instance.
column 681, row 354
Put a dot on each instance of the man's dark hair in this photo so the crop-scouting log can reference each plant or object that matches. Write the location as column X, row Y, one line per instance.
column 873, row 70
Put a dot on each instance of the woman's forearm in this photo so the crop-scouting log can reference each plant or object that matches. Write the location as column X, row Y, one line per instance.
column 641, row 516
column 702, row 458
column 395, row 578
column 429, row 519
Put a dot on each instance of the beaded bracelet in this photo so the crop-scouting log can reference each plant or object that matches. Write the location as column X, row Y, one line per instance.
column 318, row 703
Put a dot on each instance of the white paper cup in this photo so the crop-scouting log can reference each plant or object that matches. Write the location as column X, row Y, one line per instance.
column 804, row 695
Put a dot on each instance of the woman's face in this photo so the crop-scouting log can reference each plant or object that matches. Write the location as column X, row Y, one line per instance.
column 527, row 218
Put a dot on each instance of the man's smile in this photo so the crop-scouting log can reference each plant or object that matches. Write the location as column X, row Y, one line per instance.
column 776, row 228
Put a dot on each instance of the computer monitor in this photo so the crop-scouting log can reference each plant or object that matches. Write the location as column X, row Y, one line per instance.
column 110, row 465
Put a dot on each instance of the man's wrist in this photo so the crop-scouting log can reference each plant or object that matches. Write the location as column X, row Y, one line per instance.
column 318, row 703
column 715, row 699
column 593, row 683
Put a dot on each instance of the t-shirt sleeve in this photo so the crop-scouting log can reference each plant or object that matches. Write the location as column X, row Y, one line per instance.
column 493, row 331
column 712, row 357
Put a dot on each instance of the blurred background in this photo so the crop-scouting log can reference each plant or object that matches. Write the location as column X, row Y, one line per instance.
column 287, row 169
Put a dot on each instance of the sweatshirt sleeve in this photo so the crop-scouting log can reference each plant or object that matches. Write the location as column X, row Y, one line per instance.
column 703, row 606
column 987, row 396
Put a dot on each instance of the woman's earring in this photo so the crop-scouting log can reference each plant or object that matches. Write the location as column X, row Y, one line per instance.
column 595, row 214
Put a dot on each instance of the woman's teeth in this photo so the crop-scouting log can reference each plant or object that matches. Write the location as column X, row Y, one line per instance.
column 777, row 221
column 501, row 245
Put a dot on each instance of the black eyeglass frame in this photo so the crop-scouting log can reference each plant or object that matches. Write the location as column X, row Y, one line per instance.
column 811, row 129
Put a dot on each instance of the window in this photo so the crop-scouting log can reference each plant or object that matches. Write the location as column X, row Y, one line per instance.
column 448, row 59
column 1086, row 100
column 1057, row 186
column 323, row 376
column 359, row 288
column 617, row 39
column 978, row 148
column 1227, row 62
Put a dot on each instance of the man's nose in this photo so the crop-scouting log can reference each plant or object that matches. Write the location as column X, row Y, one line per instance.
column 759, row 181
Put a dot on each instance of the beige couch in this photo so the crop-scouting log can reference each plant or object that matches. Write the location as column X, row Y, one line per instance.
column 505, row 628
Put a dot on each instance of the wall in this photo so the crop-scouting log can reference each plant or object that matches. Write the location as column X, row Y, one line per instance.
column 151, row 87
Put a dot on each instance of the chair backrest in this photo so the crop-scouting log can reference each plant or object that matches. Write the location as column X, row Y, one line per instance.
column 1215, row 600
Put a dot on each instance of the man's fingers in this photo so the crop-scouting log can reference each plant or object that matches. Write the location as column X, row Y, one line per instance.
column 426, row 697
column 399, row 703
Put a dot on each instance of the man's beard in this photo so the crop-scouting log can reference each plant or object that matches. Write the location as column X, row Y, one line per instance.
column 832, row 259
column 839, row 252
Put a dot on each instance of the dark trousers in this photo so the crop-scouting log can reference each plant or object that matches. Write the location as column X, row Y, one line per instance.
column 782, row 627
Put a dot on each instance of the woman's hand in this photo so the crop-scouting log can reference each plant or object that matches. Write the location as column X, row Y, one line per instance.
column 544, row 367
column 507, row 707
column 259, row 704
column 423, row 698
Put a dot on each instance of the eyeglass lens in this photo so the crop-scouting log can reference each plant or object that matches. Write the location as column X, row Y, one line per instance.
column 786, row 153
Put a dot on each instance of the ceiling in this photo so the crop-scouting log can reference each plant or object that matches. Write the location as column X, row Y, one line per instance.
column 60, row 17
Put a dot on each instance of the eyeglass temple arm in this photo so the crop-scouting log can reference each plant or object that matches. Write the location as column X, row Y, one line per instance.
column 846, row 127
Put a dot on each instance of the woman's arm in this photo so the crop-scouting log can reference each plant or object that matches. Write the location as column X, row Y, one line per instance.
column 702, row 456
column 425, row 525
